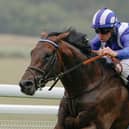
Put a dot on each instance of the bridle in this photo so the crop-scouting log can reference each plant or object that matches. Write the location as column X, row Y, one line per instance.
column 45, row 74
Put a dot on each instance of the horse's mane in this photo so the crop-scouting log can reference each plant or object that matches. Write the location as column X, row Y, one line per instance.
column 77, row 39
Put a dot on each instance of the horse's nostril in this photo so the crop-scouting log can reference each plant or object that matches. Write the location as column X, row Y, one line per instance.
column 26, row 83
column 27, row 87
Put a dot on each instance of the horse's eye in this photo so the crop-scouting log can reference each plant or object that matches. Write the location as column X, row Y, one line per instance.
column 47, row 57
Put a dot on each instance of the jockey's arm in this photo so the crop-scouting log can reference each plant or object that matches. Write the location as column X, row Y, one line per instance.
column 124, row 53
column 120, row 54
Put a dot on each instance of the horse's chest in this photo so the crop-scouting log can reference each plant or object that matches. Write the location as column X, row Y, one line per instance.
column 72, row 107
column 77, row 105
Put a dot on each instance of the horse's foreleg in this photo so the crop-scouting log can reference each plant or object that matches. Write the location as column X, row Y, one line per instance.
column 77, row 123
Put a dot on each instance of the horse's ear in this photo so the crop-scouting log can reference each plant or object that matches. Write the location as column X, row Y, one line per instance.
column 44, row 35
column 61, row 36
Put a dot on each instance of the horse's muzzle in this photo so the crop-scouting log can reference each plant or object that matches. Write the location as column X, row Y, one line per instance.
column 27, row 87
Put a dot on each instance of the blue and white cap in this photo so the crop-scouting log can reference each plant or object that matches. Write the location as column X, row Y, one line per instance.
column 104, row 18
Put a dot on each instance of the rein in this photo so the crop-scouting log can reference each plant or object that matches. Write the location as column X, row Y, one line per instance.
column 46, row 72
column 85, row 62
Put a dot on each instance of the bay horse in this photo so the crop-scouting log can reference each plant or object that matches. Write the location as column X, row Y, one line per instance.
column 95, row 96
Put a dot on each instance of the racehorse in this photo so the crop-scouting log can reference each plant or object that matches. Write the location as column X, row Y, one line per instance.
column 95, row 96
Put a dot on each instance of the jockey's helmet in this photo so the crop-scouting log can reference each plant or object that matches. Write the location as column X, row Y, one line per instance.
column 104, row 18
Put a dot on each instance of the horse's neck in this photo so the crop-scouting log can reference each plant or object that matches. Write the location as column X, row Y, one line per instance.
column 81, row 78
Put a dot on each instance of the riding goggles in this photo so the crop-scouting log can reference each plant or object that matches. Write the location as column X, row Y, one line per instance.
column 103, row 30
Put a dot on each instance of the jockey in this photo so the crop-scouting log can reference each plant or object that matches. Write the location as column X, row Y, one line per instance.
column 112, row 37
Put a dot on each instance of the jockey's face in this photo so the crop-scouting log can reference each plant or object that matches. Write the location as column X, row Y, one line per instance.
column 105, row 37
column 104, row 33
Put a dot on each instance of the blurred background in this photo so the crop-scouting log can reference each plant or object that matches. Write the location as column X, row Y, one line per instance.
column 22, row 21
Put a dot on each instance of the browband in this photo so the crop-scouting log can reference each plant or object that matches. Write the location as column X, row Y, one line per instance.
column 49, row 41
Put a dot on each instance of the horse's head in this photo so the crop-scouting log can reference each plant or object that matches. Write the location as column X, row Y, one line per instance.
column 44, row 64
column 46, row 59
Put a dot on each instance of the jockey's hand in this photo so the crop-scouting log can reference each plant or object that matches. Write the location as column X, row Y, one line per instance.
column 106, row 50
column 99, row 52
column 109, row 51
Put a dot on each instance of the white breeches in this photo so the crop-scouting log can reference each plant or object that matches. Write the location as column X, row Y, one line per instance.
column 125, row 70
